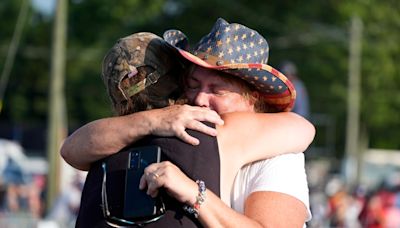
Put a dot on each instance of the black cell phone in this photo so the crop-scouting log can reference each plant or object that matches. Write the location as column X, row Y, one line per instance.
column 137, row 204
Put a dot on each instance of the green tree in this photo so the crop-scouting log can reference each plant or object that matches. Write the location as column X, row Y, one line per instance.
column 313, row 34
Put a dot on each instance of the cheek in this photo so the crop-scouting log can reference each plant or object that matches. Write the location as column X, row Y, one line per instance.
column 235, row 103
column 223, row 104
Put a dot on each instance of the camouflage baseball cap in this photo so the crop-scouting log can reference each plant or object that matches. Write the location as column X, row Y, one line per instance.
column 141, row 71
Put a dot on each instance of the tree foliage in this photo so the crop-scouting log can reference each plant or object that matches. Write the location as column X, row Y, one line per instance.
column 314, row 35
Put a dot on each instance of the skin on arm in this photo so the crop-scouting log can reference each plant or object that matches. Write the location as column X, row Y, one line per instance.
column 214, row 212
column 263, row 209
column 280, row 189
column 247, row 137
column 271, row 209
column 262, row 134
column 101, row 138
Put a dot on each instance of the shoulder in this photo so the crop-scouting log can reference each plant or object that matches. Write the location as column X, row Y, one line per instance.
column 292, row 158
column 284, row 161
column 282, row 174
column 285, row 173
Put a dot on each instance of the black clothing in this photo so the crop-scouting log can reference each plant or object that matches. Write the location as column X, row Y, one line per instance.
column 197, row 162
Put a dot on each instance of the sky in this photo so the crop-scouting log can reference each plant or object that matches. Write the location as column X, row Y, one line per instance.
column 46, row 7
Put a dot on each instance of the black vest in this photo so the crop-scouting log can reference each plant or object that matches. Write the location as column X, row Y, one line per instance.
column 197, row 162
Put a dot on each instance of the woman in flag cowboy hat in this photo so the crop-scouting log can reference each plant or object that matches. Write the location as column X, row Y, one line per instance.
column 214, row 84
column 228, row 55
column 243, row 53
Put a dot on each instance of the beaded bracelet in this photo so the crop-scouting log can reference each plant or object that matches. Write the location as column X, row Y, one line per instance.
column 200, row 198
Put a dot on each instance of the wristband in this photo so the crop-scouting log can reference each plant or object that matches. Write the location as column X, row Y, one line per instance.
column 200, row 198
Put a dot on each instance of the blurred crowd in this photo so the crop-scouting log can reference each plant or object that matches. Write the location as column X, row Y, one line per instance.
column 18, row 190
column 335, row 204
column 23, row 192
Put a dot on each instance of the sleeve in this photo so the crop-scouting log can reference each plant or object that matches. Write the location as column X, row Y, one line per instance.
column 285, row 174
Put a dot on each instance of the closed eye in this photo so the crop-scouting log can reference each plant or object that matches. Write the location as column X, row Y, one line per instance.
column 219, row 90
column 192, row 87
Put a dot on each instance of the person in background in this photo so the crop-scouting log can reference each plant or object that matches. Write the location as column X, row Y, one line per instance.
column 302, row 103
column 66, row 206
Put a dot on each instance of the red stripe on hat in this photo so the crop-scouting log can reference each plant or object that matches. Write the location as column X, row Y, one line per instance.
column 286, row 93
column 281, row 101
column 274, row 71
column 255, row 65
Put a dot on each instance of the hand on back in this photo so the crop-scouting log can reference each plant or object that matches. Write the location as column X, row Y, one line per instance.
column 175, row 119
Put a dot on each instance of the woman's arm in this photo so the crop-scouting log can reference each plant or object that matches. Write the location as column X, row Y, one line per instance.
column 101, row 138
column 247, row 137
column 280, row 187
column 214, row 212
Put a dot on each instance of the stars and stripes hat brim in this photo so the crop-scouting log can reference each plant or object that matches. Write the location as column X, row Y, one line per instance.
column 242, row 52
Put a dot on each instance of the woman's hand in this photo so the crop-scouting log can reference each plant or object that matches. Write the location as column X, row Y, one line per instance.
column 175, row 182
column 174, row 120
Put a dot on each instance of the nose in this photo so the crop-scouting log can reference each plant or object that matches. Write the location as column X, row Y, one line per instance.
column 202, row 99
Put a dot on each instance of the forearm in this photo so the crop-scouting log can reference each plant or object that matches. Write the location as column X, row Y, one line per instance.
column 279, row 196
column 286, row 133
column 104, row 137
column 263, row 135
column 215, row 213
column 101, row 138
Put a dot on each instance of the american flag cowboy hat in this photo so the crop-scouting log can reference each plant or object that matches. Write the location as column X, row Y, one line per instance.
column 242, row 52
